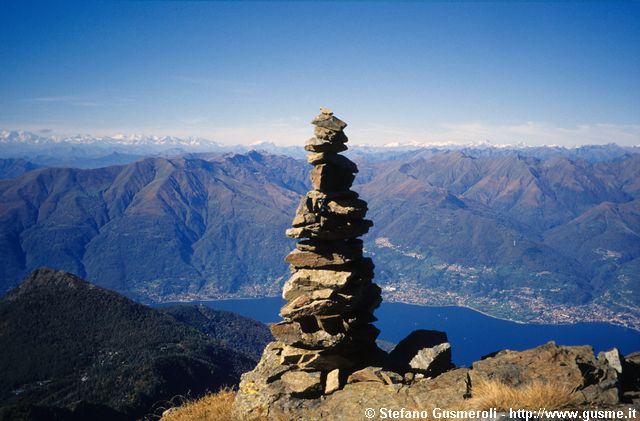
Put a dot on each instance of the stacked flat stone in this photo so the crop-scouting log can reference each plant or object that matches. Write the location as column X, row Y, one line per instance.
column 327, row 333
column 327, row 330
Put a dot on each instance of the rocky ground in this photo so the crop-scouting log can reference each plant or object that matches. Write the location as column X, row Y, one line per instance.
column 325, row 363
column 563, row 377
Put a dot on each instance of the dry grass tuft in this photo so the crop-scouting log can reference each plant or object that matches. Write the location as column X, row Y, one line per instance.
column 485, row 395
column 532, row 396
column 213, row 407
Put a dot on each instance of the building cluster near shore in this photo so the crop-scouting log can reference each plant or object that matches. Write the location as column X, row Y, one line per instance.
column 509, row 305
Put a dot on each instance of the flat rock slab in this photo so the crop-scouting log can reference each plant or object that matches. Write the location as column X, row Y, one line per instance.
column 347, row 247
column 375, row 374
column 331, row 178
column 566, row 367
column 307, row 305
column 303, row 383
column 432, row 361
column 333, row 159
column 306, row 281
column 309, row 259
column 350, row 402
column 331, row 229
column 321, row 145
column 292, row 333
column 329, row 122
column 423, row 351
column 333, row 382
column 337, row 136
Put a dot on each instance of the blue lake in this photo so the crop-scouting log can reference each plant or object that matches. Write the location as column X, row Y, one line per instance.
column 472, row 334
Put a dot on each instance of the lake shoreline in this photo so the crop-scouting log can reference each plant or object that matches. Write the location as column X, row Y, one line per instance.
column 482, row 312
column 471, row 333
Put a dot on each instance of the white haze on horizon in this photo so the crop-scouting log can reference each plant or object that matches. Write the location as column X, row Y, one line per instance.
column 294, row 132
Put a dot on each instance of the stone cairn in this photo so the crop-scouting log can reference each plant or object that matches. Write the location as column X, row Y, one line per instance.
column 327, row 332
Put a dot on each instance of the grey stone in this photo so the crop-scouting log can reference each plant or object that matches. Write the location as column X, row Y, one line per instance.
column 327, row 302
column 347, row 404
column 327, row 331
column 261, row 387
column 447, row 389
column 329, row 122
column 408, row 348
column 375, row 374
column 293, row 355
column 321, row 145
column 333, row 324
column 391, row 377
column 303, row 383
column 351, row 208
column 305, row 215
column 345, row 247
column 331, row 229
column 332, row 158
column 367, row 374
column 333, row 382
column 307, row 305
column 612, row 358
column 313, row 359
column 344, row 194
column 337, row 136
column 313, row 260
column 304, row 281
column 316, row 205
column 432, row 361
column 269, row 368
column 295, row 333
column 287, row 332
column 563, row 366
column 331, row 178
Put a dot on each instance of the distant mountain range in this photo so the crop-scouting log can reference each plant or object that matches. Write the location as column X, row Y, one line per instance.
column 521, row 238
column 86, row 151
column 157, row 228
column 550, row 236
column 29, row 138
column 72, row 351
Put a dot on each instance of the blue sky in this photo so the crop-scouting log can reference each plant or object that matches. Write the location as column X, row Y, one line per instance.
column 240, row 72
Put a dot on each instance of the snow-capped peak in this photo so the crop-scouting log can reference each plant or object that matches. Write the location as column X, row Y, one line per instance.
column 30, row 138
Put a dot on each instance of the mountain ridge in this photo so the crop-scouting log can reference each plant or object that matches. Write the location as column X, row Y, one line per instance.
column 500, row 234
column 87, row 151
column 72, row 345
